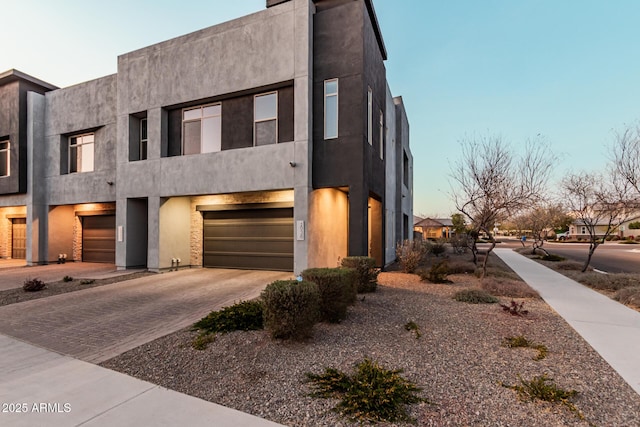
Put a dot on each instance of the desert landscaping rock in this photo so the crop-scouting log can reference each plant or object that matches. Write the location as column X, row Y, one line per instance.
column 459, row 361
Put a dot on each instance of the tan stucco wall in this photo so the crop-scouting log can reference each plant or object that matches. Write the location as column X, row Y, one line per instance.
column 328, row 228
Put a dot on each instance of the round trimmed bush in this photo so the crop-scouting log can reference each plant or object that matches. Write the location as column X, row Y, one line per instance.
column 291, row 308
column 336, row 291
column 475, row 296
column 366, row 271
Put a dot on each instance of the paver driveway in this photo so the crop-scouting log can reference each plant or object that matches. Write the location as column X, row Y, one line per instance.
column 14, row 275
column 99, row 323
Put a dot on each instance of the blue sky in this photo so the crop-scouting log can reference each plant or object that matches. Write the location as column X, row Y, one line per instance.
column 569, row 70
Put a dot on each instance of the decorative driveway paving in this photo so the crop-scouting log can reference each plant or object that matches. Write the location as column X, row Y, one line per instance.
column 14, row 276
column 99, row 323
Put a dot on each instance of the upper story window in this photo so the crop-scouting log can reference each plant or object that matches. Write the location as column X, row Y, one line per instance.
column 265, row 122
column 201, row 129
column 143, row 139
column 370, row 116
column 405, row 169
column 81, row 153
column 5, row 158
column 331, row 109
column 381, row 135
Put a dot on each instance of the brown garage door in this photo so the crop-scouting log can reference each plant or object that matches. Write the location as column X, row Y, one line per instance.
column 99, row 238
column 256, row 239
column 19, row 238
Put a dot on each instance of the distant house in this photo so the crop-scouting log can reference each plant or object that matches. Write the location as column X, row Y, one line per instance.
column 580, row 230
column 433, row 228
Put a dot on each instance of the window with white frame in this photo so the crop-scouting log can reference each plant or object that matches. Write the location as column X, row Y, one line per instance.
column 202, row 129
column 81, row 153
column 381, row 135
column 265, row 123
column 331, row 109
column 143, row 139
column 5, row 158
column 370, row 116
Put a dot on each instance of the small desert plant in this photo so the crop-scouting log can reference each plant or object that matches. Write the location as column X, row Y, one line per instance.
column 291, row 308
column 475, row 296
column 459, row 243
column 410, row 254
column 67, row 279
column 552, row 257
column 521, row 341
column 543, row 388
column 609, row 282
column 515, row 308
column 33, row 285
column 507, row 288
column 437, row 273
column 569, row 266
column 366, row 271
column 438, row 248
column 628, row 296
column 337, row 291
column 371, row 394
column 413, row 326
column 461, row 267
column 243, row 316
column 87, row 282
column 203, row 340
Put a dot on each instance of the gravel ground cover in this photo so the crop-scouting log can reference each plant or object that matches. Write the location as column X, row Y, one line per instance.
column 459, row 361
column 12, row 296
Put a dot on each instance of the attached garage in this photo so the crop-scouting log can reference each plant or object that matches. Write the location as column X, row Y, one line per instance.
column 249, row 238
column 99, row 238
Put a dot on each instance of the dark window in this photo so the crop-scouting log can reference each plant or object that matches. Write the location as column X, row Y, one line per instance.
column 265, row 119
column 201, row 129
column 5, row 158
column 405, row 169
column 143, row 139
column 81, row 153
column 405, row 227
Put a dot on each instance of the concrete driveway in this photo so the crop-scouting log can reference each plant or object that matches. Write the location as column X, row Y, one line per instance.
column 13, row 275
column 99, row 323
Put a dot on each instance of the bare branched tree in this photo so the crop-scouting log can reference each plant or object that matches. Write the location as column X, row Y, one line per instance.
column 626, row 156
column 541, row 220
column 493, row 183
column 600, row 203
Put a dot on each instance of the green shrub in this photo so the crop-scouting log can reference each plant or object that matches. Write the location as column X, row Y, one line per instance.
column 569, row 266
column 543, row 388
column 366, row 272
column 503, row 287
column 203, row 340
column 413, row 326
column 87, row 282
column 33, row 285
column 371, row 394
column 336, row 291
column 67, row 279
column 291, row 308
column 437, row 273
column 410, row 254
column 243, row 316
column 475, row 296
column 634, row 225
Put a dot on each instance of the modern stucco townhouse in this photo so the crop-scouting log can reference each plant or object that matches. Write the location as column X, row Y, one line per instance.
column 270, row 142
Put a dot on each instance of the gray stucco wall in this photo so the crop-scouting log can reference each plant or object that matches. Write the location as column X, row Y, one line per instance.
column 258, row 50
column 85, row 107
column 391, row 176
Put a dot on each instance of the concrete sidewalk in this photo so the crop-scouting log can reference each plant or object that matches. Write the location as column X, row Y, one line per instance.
column 612, row 329
column 43, row 388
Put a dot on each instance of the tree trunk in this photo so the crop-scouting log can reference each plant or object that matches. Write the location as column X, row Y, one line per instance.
column 592, row 248
column 486, row 257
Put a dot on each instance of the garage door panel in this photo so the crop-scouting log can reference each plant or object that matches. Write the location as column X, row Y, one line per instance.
column 251, row 239
column 249, row 245
column 99, row 238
